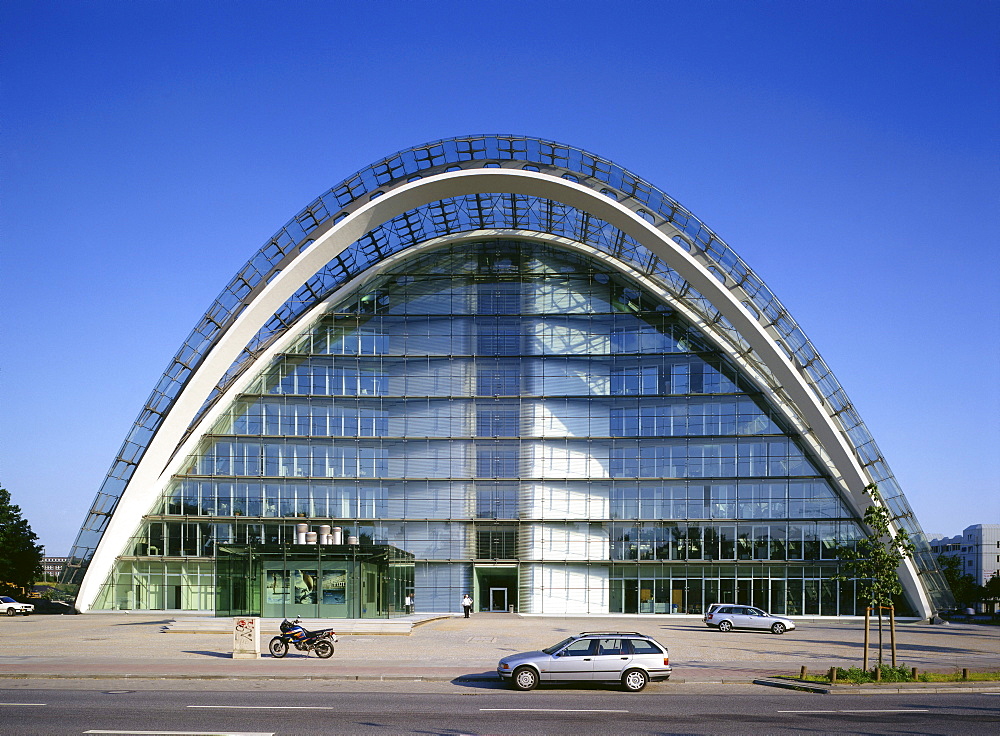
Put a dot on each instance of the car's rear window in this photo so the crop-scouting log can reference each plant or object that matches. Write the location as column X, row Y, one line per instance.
column 644, row 646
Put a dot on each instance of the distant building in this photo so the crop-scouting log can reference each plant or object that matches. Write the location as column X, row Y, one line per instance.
column 978, row 546
column 53, row 566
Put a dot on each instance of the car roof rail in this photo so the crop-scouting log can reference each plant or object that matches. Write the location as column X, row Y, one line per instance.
column 617, row 633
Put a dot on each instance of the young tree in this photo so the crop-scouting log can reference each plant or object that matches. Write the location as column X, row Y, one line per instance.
column 874, row 561
column 20, row 556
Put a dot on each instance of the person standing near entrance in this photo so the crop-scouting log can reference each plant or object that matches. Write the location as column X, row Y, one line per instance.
column 467, row 604
column 408, row 602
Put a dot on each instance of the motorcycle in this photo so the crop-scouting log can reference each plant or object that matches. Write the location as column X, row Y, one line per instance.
column 321, row 642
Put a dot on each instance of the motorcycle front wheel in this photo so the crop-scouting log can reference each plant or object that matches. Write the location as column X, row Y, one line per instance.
column 323, row 649
column 278, row 647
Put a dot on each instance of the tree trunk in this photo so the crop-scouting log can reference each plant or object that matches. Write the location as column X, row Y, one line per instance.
column 892, row 632
column 880, row 636
column 868, row 628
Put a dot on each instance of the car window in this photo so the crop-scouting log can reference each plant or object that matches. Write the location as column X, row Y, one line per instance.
column 5, row 599
column 726, row 609
column 580, row 648
column 644, row 646
column 756, row 612
column 556, row 647
column 610, row 647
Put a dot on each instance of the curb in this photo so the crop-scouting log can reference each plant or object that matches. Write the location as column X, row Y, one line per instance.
column 793, row 685
column 482, row 677
column 869, row 689
column 786, row 684
column 151, row 676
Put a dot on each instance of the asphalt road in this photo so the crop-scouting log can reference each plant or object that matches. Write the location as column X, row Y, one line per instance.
column 446, row 709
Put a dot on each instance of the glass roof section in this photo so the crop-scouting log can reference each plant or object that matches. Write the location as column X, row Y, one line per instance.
column 483, row 211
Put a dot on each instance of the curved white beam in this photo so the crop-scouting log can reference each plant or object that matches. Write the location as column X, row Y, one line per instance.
column 135, row 500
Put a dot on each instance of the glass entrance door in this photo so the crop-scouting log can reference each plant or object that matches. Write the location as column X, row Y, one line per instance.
column 498, row 599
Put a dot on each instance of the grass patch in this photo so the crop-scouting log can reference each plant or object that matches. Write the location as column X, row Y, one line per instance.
column 858, row 676
column 957, row 677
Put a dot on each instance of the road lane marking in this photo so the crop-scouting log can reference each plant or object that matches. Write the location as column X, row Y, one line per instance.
column 185, row 733
column 23, row 703
column 268, row 707
column 552, row 710
column 886, row 710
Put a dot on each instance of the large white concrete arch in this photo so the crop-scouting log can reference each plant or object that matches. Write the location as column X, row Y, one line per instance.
column 147, row 478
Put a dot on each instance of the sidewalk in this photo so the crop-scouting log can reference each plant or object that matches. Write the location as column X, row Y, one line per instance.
column 447, row 648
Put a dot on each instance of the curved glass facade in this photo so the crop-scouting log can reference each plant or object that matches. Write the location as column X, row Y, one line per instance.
column 527, row 423
column 540, row 422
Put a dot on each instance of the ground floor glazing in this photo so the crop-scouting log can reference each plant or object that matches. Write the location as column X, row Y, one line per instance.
column 535, row 588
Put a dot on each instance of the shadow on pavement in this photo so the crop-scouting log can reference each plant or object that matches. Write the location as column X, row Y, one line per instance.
column 221, row 655
column 481, row 681
column 164, row 622
column 901, row 646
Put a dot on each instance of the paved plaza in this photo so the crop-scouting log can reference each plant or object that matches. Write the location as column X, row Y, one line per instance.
column 451, row 648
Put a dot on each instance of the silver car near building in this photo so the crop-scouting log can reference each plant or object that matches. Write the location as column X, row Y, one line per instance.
column 727, row 618
column 628, row 657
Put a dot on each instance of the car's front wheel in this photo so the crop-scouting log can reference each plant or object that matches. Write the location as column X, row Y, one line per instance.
column 725, row 626
column 524, row 678
column 778, row 628
column 634, row 680
column 11, row 612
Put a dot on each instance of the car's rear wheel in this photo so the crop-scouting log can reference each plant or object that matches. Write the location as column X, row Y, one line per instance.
column 634, row 680
column 11, row 612
column 524, row 678
column 778, row 628
column 725, row 626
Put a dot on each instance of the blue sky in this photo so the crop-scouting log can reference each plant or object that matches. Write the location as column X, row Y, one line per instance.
column 847, row 150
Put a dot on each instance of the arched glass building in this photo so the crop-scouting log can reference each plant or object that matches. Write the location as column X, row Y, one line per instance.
column 500, row 365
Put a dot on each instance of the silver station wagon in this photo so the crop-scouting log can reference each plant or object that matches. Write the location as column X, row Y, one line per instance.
column 627, row 657
column 727, row 618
